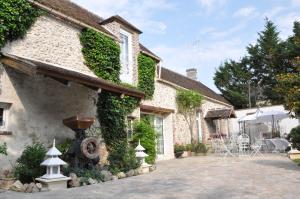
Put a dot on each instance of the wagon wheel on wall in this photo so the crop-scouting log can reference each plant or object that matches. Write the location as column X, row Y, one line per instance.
column 90, row 148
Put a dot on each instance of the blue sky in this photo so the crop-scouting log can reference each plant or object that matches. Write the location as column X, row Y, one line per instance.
column 199, row 33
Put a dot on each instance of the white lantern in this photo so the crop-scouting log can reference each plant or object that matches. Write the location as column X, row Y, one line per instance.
column 53, row 179
column 140, row 154
column 53, row 163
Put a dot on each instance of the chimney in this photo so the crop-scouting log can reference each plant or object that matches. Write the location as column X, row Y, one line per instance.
column 191, row 73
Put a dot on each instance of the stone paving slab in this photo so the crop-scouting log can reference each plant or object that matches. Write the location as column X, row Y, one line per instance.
column 274, row 176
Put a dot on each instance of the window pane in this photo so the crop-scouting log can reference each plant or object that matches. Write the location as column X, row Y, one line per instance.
column 159, row 134
column 1, row 117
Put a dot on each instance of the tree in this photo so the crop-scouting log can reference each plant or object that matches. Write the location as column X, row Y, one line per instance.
column 289, row 83
column 232, row 79
column 265, row 60
column 187, row 102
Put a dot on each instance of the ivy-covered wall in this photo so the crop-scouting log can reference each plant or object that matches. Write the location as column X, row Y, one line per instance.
column 146, row 72
column 16, row 17
column 102, row 54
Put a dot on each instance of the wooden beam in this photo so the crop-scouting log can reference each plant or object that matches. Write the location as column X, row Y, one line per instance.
column 22, row 67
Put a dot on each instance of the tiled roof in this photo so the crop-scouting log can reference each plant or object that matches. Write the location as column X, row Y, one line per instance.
column 122, row 21
column 147, row 51
column 191, row 84
column 219, row 113
column 75, row 11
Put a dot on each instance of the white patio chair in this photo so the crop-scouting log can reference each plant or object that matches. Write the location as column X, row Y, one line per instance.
column 243, row 144
column 256, row 148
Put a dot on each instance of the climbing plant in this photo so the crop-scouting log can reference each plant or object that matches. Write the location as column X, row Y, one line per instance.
column 16, row 17
column 101, row 54
column 146, row 72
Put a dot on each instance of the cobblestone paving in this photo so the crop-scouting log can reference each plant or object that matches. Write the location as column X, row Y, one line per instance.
column 274, row 176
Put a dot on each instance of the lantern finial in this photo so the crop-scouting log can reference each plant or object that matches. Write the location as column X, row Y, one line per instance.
column 54, row 142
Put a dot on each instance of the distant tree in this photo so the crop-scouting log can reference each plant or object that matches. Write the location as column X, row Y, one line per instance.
column 187, row 102
column 232, row 79
column 265, row 60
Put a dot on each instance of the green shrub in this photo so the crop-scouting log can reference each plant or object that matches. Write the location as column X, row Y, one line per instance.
column 178, row 150
column 145, row 132
column 85, row 174
column 199, row 148
column 28, row 165
column 3, row 149
column 189, row 147
column 294, row 137
column 64, row 148
column 122, row 158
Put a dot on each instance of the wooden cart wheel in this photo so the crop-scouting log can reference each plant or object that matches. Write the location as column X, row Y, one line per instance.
column 90, row 148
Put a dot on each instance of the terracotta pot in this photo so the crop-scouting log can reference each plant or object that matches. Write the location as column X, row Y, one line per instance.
column 6, row 183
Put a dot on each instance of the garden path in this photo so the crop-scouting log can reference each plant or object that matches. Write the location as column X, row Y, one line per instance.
column 274, row 176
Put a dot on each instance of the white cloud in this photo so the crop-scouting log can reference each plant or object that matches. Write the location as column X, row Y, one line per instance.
column 273, row 12
column 138, row 12
column 201, row 54
column 208, row 6
column 244, row 12
column 285, row 24
column 295, row 2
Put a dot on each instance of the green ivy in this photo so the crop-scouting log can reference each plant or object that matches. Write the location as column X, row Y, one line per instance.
column 16, row 17
column 146, row 71
column 102, row 54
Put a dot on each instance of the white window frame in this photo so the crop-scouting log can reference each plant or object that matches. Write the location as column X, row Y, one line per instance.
column 127, row 78
column 5, row 107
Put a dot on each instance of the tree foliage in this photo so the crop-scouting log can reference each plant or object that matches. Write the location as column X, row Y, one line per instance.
column 187, row 102
column 267, row 58
column 289, row 83
column 16, row 17
column 294, row 137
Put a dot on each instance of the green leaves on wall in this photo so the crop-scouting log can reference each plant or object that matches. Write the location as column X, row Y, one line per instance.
column 102, row 54
column 146, row 71
column 16, row 17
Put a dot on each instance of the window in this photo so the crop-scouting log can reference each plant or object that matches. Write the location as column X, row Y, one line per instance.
column 129, row 128
column 158, row 125
column 126, row 57
column 1, row 117
column 157, row 122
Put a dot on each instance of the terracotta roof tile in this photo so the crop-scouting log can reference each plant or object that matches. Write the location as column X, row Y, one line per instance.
column 191, row 84
column 122, row 21
column 75, row 11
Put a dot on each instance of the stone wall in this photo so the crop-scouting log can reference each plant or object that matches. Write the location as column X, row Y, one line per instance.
column 54, row 41
column 39, row 105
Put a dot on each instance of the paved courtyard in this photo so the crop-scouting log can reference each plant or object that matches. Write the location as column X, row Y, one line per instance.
column 274, row 176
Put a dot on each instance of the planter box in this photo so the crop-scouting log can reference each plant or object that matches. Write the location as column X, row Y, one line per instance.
column 6, row 183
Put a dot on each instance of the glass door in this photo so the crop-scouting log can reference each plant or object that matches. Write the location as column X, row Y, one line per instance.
column 158, row 125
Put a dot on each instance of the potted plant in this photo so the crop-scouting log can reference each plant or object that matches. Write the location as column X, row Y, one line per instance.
column 7, row 180
column 178, row 150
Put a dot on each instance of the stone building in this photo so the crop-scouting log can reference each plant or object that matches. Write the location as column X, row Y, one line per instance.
column 44, row 79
